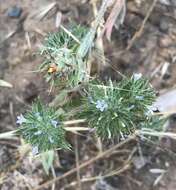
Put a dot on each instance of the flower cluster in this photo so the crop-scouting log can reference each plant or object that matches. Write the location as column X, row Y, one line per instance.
column 101, row 105
column 41, row 128
column 136, row 76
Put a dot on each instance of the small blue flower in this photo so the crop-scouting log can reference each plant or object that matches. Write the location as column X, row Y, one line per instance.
column 51, row 140
column 139, row 97
column 20, row 119
column 150, row 110
column 38, row 133
column 101, row 105
column 131, row 107
column 54, row 123
column 137, row 76
column 35, row 150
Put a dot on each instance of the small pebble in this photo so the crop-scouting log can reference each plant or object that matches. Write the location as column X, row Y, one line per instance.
column 165, row 42
column 14, row 12
column 164, row 25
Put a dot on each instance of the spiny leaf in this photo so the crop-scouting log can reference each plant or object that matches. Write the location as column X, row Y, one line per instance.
column 47, row 160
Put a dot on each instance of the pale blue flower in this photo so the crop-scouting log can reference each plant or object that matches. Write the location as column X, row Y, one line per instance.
column 35, row 150
column 131, row 107
column 51, row 140
column 139, row 97
column 54, row 123
column 122, row 138
column 101, row 105
column 20, row 119
column 137, row 76
column 150, row 110
column 38, row 133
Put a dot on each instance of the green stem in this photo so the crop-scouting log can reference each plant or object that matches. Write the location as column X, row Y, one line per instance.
column 10, row 134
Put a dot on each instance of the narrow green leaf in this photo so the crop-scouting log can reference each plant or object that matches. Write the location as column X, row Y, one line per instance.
column 47, row 160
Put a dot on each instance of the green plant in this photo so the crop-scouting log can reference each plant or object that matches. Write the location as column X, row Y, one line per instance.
column 60, row 54
column 42, row 128
column 115, row 109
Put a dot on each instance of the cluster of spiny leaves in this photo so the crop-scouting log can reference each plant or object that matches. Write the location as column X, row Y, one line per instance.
column 152, row 123
column 60, row 53
column 41, row 128
column 116, row 109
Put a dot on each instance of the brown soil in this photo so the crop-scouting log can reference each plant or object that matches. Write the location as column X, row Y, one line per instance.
column 150, row 53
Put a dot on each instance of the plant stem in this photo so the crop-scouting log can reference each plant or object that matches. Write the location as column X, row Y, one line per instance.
column 10, row 134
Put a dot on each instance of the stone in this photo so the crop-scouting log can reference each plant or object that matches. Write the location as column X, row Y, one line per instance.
column 14, row 12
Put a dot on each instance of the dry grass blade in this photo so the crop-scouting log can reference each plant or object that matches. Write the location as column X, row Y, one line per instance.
column 77, row 163
column 72, row 122
column 58, row 19
column 105, row 61
column 42, row 12
column 9, row 35
column 89, row 179
column 70, row 34
column 155, row 133
column 28, row 40
column 99, row 40
column 5, row 84
column 75, row 129
column 166, row 113
column 118, row 12
column 54, row 175
column 88, row 40
column 139, row 32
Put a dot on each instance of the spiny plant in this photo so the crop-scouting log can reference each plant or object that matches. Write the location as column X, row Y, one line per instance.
column 66, row 53
column 113, row 109
column 42, row 127
column 60, row 53
column 116, row 108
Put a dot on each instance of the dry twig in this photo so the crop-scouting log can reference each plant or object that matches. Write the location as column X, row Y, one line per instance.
column 77, row 163
column 139, row 32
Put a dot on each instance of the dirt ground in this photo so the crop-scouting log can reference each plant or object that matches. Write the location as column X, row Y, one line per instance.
column 153, row 53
